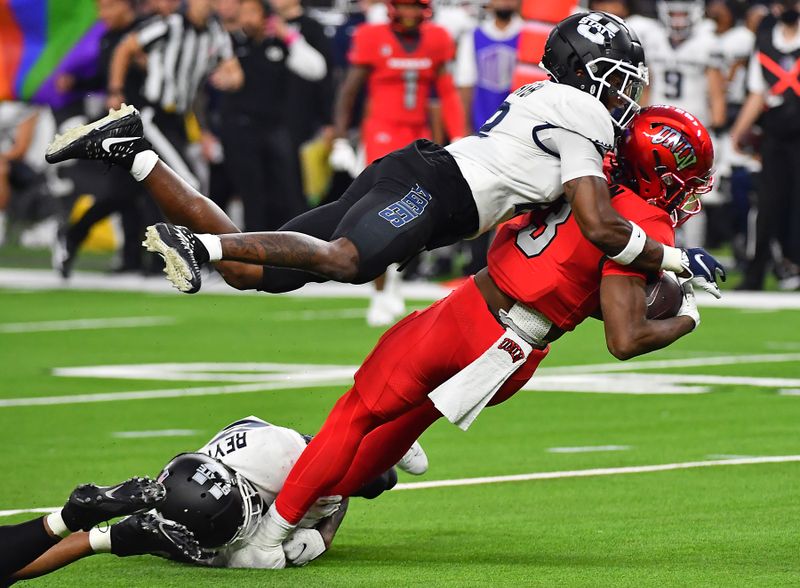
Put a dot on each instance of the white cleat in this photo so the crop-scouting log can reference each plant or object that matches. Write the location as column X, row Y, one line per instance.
column 414, row 462
column 381, row 311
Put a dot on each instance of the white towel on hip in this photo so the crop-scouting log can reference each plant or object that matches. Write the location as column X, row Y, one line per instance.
column 461, row 398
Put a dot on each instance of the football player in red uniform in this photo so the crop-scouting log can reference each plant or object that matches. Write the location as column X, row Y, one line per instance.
column 400, row 61
column 479, row 345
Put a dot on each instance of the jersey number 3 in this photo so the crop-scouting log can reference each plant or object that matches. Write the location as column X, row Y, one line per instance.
column 535, row 238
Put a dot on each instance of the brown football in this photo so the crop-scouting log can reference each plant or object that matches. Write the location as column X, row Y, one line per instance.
column 664, row 297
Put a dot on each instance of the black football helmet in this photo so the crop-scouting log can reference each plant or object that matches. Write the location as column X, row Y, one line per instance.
column 597, row 53
column 214, row 502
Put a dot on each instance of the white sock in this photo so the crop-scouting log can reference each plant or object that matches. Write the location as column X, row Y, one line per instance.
column 100, row 540
column 213, row 244
column 143, row 164
column 57, row 525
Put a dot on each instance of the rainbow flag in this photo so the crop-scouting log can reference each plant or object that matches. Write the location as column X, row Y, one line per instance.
column 39, row 39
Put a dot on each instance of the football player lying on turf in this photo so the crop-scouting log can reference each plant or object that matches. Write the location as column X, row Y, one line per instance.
column 479, row 345
column 546, row 141
column 208, row 508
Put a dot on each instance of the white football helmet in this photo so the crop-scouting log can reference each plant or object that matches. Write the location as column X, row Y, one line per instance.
column 680, row 16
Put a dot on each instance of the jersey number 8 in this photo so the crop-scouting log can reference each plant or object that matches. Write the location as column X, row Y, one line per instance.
column 535, row 238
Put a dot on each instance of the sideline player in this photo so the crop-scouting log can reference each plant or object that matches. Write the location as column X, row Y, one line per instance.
column 546, row 141
column 401, row 62
column 479, row 345
column 213, row 499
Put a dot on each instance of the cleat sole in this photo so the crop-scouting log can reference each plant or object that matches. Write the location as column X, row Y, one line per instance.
column 175, row 268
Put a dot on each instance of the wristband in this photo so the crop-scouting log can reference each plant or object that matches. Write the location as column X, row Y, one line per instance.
column 634, row 247
column 673, row 259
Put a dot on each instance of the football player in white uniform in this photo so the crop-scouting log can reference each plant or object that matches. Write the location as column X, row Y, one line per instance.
column 681, row 58
column 547, row 140
column 207, row 508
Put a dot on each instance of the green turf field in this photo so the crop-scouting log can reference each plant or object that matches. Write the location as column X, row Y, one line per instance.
column 733, row 525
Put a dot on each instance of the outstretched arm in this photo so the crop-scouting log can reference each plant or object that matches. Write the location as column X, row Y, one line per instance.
column 63, row 553
column 628, row 330
column 606, row 229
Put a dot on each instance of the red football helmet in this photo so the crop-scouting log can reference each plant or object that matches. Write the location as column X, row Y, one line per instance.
column 404, row 27
column 666, row 156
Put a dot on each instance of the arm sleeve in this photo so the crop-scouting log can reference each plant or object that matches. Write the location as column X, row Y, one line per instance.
column 465, row 73
column 151, row 32
column 225, row 45
column 452, row 107
column 361, row 52
column 305, row 61
column 755, row 77
column 579, row 156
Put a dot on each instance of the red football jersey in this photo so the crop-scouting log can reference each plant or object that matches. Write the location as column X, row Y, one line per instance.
column 543, row 260
column 400, row 81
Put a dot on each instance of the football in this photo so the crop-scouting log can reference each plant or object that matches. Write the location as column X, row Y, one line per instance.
column 664, row 297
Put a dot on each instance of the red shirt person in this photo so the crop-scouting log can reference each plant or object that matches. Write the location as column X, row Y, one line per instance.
column 401, row 62
column 480, row 345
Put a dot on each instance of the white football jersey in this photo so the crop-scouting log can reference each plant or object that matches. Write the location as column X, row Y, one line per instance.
column 736, row 45
column 508, row 166
column 263, row 454
column 678, row 74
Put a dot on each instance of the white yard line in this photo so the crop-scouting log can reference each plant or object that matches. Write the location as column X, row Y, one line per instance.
column 124, row 322
column 588, row 449
column 542, row 476
column 17, row 279
column 665, row 467
column 149, row 434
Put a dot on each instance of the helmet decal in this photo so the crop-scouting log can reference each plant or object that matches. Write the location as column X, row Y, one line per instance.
column 676, row 142
column 590, row 28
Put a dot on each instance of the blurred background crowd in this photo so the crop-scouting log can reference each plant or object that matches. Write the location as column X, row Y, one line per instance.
column 272, row 106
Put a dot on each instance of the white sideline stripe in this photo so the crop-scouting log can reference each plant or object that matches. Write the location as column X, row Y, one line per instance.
column 540, row 476
column 632, row 366
column 124, row 322
column 163, row 433
column 588, row 449
column 597, row 472
column 151, row 394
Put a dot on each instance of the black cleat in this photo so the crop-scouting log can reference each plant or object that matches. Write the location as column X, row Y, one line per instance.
column 116, row 138
column 183, row 254
column 89, row 504
column 151, row 534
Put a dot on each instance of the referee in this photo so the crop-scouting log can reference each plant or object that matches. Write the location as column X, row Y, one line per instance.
column 182, row 49
column 774, row 99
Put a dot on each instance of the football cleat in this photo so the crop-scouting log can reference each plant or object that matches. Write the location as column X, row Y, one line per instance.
column 415, row 461
column 90, row 504
column 150, row 534
column 182, row 252
column 115, row 138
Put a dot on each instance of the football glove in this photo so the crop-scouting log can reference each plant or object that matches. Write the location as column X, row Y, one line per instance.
column 704, row 270
column 342, row 157
column 303, row 546
column 689, row 305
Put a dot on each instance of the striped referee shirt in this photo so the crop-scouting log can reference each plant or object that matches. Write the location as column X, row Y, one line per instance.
column 179, row 57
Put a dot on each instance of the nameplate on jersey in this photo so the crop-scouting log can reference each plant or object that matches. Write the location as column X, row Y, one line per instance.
column 409, row 207
column 409, row 63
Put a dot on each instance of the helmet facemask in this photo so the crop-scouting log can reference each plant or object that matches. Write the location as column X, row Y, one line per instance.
column 680, row 198
column 252, row 509
column 620, row 86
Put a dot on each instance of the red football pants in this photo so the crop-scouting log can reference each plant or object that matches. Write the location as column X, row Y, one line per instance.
column 382, row 137
column 372, row 426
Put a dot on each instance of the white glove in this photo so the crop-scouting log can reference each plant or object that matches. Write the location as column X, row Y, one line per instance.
column 257, row 556
column 303, row 546
column 342, row 157
column 689, row 305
